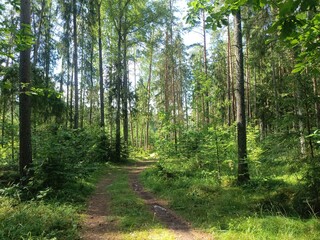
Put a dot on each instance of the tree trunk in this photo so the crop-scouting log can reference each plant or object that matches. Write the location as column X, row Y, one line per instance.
column 91, row 85
column 24, row 100
column 206, row 110
column 248, row 79
column 243, row 170
column 149, row 94
column 300, row 115
column 41, row 20
column 125, row 89
column 75, row 62
column 229, row 79
column 118, row 90
column 102, row 124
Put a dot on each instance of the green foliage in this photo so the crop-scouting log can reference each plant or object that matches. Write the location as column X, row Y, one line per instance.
column 37, row 220
column 283, row 188
column 51, row 213
column 24, row 38
column 62, row 159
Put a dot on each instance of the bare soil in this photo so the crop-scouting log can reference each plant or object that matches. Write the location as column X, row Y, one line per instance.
column 98, row 226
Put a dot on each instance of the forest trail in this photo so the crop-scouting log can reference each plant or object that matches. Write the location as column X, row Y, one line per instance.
column 98, row 226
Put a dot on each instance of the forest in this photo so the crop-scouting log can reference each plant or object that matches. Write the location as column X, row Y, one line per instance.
column 159, row 119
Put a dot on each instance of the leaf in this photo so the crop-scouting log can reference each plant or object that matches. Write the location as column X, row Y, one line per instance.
column 298, row 68
column 294, row 41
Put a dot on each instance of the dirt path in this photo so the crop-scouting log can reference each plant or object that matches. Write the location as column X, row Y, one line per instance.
column 97, row 226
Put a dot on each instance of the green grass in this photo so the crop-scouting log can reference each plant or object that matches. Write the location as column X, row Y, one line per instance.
column 271, row 206
column 131, row 214
column 49, row 214
column 37, row 220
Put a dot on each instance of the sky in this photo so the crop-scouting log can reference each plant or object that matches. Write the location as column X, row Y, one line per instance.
column 194, row 36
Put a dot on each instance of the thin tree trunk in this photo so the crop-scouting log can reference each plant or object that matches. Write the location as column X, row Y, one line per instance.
column 36, row 46
column 206, row 109
column 12, row 122
column 91, row 85
column 118, row 89
column 125, row 90
column 75, row 63
column 300, row 115
column 248, row 78
column 71, row 102
column 229, row 78
column 275, row 93
column 4, row 110
column 102, row 124
column 149, row 93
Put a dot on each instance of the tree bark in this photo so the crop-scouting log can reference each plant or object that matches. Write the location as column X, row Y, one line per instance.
column 243, row 170
column 102, row 124
column 206, row 110
column 149, row 94
column 125, row 89
column 75, row 62
column 25, row 159
column 229, row 79
column 118, row 89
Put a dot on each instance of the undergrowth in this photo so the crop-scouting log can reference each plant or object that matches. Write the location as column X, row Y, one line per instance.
column 275, row 204
column 49, row 215
column 64, row 174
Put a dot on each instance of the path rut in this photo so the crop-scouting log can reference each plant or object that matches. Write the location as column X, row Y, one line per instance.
column 97, row 226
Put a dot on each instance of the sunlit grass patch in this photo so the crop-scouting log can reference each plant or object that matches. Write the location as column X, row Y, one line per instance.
column 271, row 227
column 38, row 220
column 154, row 234
column 263, row 209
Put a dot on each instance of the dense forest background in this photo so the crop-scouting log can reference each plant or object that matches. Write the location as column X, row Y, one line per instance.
column 102, row 81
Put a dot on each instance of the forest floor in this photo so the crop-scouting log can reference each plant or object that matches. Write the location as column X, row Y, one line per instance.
column 100, row 221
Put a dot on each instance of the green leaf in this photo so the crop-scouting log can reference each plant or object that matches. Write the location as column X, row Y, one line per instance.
column 298, row 68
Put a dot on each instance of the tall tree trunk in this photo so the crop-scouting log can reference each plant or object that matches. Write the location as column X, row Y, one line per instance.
column 47, row 45
column 25, row 159
column 206, row 110
column 229, row 79
column 248, row 77
column 13, row 97
column 37, row 44
column 232, row 76
column 125, row 89
column 91, row 85
column 102, row 124
column 243, row 170
column 75, row 63
column 300, row 115
column 118, row 89
column 149, row 94
column 4, row 111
